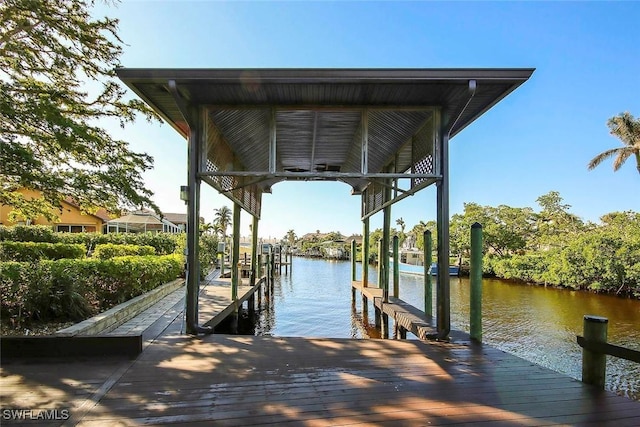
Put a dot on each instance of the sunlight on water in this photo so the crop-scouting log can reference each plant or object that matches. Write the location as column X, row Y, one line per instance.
column 536, row 323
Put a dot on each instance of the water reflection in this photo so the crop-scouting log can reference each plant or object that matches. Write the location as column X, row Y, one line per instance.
column 536, row 323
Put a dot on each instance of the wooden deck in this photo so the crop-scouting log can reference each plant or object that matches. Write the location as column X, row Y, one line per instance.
column 372, row 291
column 215, row 302
column 246, row 380
column 406, row 318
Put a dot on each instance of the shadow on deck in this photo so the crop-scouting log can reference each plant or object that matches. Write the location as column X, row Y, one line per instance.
column 248, row 380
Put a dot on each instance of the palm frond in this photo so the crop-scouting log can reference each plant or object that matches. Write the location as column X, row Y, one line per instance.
column 602, row 157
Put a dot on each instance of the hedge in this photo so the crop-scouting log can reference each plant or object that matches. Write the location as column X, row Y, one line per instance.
column 33, row 251
column 163, row 243
column 28, row 233
column 110, row 250
column 75, row 289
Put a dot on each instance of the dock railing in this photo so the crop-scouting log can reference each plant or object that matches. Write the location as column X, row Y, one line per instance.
column 595, row 349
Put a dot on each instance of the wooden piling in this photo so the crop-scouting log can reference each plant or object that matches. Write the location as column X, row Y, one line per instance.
column 594, row 364
column 287, row 261
column 365, row 252
column 235, row 256
column 267, row 268
column 402, row 332
column 385, row 325
column 255, row 269
column 353, row 260
column 384, row 255
column 353, row 271
column 379, row 266
column 475, row 278
column 428, row 288
column 396, row 267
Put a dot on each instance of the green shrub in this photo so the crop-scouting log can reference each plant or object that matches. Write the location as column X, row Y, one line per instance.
column 34, row 251
column 207, row 253
column 28, row 233
column 110, row 250
column 72, row 289
column 25, row 289
column 164, row 243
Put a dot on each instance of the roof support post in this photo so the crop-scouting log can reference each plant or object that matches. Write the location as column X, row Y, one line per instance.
column 384, row 256
column 272, row 142
column 193, row 234
column 364, row 157
column 193, row 117
column 442, row 195
column 365, row 252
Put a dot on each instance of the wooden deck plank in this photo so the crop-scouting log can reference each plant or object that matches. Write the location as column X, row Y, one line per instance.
column 246, row 380
column 341, row 382
column 215, row 302
column 372, row 291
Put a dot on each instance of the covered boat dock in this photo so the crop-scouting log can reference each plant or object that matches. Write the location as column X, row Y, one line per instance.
column 384, row 132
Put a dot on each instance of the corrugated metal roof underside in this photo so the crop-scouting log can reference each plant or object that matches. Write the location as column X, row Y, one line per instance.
column 318, row 117
column 321, row 140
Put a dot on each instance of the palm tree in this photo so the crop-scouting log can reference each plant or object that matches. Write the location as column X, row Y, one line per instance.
column 627, row 129
column 291, row 237
column 223, row 219
column 402, row 237
column 207, row 228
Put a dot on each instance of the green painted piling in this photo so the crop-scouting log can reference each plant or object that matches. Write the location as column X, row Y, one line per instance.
column 255, row 265
column 235, row 252
column 380, row 272
column 475, row 278
column 353, row 260
column 267, row 268
column 428, row 287
column 221, row 254
column 396, row 267
column 365, row 252
column 384, row 255
column 594, row 364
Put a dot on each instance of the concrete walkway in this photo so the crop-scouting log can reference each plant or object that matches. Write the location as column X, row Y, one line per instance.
column 153, row 321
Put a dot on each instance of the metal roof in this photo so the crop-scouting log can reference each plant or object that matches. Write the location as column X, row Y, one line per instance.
column 317, row 115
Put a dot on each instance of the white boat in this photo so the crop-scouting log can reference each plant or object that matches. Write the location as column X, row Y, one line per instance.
column 412, row 262
column 454, row 270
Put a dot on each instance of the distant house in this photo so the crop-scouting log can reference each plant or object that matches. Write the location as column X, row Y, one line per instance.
column 142, row 221
column 70, row 218
column 314, row 237
column 356, row 237
column 147, row 220
column 179, row 219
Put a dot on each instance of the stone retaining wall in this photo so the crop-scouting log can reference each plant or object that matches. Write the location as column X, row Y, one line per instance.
column 121, row 313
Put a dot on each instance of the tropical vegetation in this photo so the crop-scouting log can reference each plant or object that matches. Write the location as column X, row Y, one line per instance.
column 626, row 128
column 549, row 246
column 552, row 246
column 58, row 91
column 47, row 276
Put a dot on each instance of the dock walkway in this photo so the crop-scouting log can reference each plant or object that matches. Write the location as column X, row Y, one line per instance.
column 247, row 380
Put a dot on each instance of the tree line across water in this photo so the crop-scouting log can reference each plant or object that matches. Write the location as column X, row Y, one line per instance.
column 551, row 247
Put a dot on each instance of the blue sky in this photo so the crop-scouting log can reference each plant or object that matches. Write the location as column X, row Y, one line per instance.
column 540, row 138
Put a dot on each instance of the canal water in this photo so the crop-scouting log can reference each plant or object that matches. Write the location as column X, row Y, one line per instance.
column 536, row 323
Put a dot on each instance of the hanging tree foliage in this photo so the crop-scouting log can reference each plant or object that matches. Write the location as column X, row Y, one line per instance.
column 57, row 83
